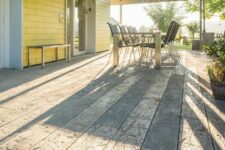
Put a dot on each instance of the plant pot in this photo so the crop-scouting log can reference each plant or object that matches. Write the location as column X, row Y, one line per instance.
column 218, row 89
column 196, row 45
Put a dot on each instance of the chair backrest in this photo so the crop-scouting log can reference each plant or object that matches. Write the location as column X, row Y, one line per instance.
column 130, row 29
column 135, row 30
column 168, row 32
column 125, row 35
column 132, row 35
column 174, row 32
column 137, row 37
column 114, row 29
column 171, row 32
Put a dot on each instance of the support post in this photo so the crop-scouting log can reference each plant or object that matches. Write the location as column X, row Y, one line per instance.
column 158, row 50
column 200, row 22
column 121, row 14
column 71, row 33
column 115, row 51
column 203, row 5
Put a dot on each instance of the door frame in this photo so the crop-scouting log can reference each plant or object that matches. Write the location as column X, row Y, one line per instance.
column 90, row 26
column 87, row 43
column 4, row 30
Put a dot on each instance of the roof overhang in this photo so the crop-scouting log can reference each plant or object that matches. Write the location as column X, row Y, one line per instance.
column 119, row 2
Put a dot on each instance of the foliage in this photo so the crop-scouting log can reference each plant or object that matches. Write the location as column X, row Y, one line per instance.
column 183, row 46
column 217, row 52
column 217, row 72
column 162, row 16
column 193, row 27
column 211, row 7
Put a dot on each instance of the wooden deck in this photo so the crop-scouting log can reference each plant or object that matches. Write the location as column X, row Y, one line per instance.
column 88, row 104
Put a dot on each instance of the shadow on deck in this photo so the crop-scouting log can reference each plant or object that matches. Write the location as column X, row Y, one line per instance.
column 89, row 104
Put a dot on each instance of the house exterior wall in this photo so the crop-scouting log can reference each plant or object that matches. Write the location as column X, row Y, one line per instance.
column 43, row 23
column 102, row 29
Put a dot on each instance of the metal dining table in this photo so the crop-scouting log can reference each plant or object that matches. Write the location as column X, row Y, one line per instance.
column 157, row 38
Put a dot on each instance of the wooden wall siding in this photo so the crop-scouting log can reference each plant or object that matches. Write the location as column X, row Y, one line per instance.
column 102, row 29
column 42, row 26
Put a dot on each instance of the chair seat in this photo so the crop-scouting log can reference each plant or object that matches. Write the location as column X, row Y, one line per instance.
column 136, row 44
column 122, row 43
column 152, row 45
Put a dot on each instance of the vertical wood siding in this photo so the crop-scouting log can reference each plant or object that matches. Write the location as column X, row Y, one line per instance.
column 102, row 29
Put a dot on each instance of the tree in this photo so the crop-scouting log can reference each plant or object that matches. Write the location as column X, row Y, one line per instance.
column 193, row 27
column 162, row 16
column 211, row 7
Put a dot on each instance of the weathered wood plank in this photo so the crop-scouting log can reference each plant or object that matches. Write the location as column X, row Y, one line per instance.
column 47, row 126
column 34, row 99
column 106, row 127
column 216, row 118
column 215, row 109
column 194, row 130
column 59, row 102
column 132, row 133
column 164, row 130
column 48, row 100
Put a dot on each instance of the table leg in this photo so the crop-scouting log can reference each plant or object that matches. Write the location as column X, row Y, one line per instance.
column 57, row 54
column 142, row 50
column 116, row 55
column 69, row 53
column 65, row 51
column 158, row 50
column 43, row 60
column 28, row 57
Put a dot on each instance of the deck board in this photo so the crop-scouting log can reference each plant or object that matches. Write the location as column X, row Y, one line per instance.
column 133, row 131
column 77, row 126
column 195, row 132
column 164, row 131
column 88, row 104
column 107, row 125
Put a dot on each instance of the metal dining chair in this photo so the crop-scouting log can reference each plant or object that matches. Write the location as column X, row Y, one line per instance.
column 124, row 38
column 135, row 38
column 127, row 39
column 168, row 41
column 115, row 31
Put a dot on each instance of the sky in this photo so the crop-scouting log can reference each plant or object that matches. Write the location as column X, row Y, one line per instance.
column 135, row 15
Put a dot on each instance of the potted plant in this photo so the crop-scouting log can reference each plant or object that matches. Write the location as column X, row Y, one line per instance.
column 193, row 28
column 216, row 69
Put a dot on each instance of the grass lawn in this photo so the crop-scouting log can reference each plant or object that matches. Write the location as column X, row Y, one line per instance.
column 76, row 42
column 183, row 47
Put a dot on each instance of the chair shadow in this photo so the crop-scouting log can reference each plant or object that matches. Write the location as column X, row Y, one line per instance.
column 70, row 108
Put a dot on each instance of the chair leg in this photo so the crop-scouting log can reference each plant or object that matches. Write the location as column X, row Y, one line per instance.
column 168, row 53
column 141, row 56
column 133, row 51
column 139, row 51
column 110, row 54
column 146, row 56
column 129, row 62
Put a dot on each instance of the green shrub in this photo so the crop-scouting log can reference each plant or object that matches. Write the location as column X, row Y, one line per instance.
column 216, row 51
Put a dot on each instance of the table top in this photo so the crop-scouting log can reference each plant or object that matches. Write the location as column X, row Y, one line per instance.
column 139, row 33
column 49, row 45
